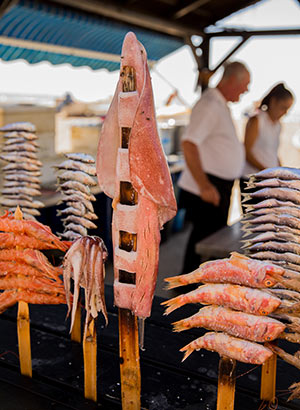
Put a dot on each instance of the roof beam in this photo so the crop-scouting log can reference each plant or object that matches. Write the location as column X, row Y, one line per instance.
column 52, row 48
column 122, row 14
column 247, row 33
column 188, row 9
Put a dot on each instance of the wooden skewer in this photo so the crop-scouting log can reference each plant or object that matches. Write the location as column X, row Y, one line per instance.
column 23, row 327
column 129, row 361
column 76, row 330
column 268, row 379
column 90, row 362
column 226, row 384
column 128, row 326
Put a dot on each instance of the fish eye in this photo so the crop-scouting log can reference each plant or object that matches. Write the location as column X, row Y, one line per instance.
column 268, row 283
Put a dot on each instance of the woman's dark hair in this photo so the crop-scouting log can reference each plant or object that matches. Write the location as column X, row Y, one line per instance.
column 279, row 92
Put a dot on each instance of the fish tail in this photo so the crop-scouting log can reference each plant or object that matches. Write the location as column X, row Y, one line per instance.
column 293, row 327
column 188, row 349
column 293, row 284
column 182, row 280
column 246, row 196
column 180, row 325
column 174, row 282
column 173, row 304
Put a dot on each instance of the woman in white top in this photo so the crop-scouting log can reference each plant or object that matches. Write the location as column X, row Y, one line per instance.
column 263, row 130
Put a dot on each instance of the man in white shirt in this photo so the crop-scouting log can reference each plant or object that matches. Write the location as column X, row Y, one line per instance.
column 214, row 158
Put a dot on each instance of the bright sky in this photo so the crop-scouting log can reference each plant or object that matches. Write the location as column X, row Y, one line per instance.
column 270, row 60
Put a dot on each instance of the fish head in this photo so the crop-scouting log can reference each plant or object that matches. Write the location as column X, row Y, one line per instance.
column 269, row 281
column 271, row 274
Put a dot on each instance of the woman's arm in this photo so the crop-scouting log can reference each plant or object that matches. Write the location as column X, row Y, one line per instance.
column 251, row 134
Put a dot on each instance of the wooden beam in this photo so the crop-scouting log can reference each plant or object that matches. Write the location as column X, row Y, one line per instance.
column 249, row 33
column 122, row 14
column 243, row 41
column 52, row 48
column 189, row 8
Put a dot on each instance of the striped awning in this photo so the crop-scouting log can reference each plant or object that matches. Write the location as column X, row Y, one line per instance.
column 36, row 32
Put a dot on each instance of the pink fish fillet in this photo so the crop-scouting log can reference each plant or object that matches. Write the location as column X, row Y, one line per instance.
column 235, row 297
column 239, row 324
column 142, row 164
column 232, row 347
column 237, row 269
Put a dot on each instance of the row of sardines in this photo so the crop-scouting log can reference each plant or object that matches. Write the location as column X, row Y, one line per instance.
column 21, row 183
column 251, row 300
column 272, row 221
column 26, row 272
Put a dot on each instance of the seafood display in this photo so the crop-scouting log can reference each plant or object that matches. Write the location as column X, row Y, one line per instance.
column 25, row 273
column 84, row 263
column 21, row 174
column 244, row 307
column 272, row 233
column 272, row 224
column 74, row 179
column 132, row 169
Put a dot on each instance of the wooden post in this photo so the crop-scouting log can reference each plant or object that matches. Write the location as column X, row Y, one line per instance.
column 129, row 361
column 76, row 330
column 226, row 384
column 90, row 361
column 23, row 327
column 268, row 379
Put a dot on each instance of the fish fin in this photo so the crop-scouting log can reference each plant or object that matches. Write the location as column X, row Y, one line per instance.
column 238, row 256
column 188, row 350
column 173, row 304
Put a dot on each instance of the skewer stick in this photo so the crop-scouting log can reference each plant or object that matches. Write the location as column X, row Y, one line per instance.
column 129, row 361
column 226, row 384
column 90, row 361
column 128, row 327
column 76, row 330
column 23, row 327
column 268, row 379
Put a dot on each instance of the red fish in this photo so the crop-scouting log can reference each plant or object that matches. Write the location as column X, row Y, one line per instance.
column 239, row 324
column 233, row 347
column 237, row 269
column 235, row 297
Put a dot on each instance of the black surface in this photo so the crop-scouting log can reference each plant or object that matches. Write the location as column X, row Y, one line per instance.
column 167, row 384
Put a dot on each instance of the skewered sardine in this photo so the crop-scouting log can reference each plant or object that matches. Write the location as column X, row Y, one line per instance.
column 78, row 176
column 77, row 166
column 283, row 194
column 80, row 156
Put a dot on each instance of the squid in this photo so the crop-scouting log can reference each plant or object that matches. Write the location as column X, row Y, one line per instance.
column 84, row 262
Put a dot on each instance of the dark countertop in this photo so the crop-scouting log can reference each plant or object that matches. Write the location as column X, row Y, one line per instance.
column 167, row 383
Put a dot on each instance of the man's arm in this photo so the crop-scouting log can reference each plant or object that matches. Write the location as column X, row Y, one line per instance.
column 208, row 192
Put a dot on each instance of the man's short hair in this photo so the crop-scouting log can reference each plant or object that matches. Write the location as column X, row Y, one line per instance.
column 236, row 69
